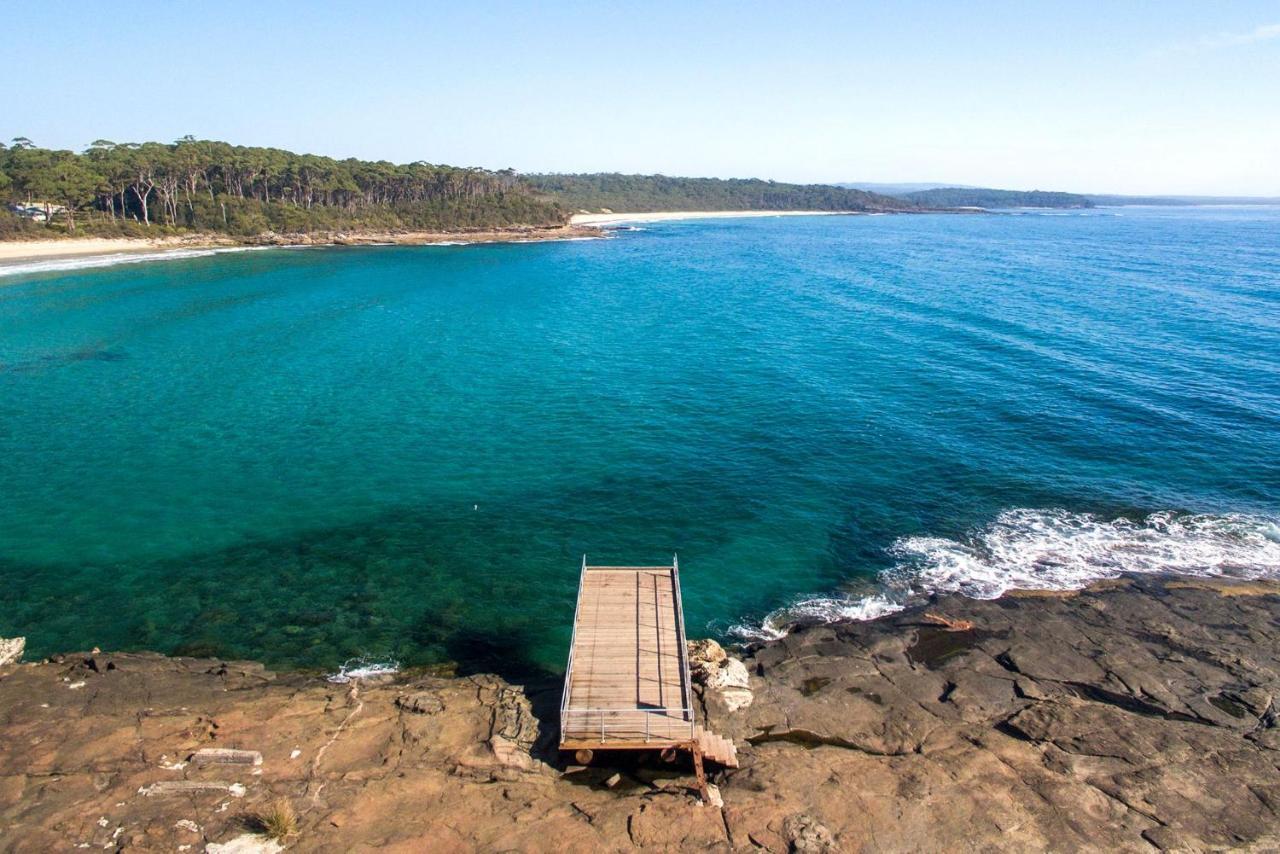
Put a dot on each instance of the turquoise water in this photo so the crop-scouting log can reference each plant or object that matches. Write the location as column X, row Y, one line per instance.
column 302, row 456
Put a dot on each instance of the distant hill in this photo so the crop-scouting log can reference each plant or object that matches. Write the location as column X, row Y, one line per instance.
column 1116, row 201
column 932, row 194
column 643, row 193
column 971, row 197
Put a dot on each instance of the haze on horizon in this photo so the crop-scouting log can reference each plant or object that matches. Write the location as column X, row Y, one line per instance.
column 1090, row 97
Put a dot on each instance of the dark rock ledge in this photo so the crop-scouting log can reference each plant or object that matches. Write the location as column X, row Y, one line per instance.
column 1138, row 715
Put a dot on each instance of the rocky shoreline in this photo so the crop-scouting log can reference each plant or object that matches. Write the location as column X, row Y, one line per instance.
column 18, row 252
column 513, row 234
column 1140, row 714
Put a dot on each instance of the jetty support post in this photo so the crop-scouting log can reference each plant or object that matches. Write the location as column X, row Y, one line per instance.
column 703, row 791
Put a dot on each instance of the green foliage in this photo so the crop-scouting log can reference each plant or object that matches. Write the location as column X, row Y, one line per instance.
column 961, row 197
column 206, row 185
column 638, row 193
column 18, row 228
column 63, row 179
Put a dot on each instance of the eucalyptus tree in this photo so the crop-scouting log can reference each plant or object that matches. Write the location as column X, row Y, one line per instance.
column 64, row 179
column 207, row 184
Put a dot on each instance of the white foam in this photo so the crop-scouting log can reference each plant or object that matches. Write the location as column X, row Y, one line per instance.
column 821, row 609
column 363, row 667
column 89, row 262
column 548, row 239
column 1030, row 549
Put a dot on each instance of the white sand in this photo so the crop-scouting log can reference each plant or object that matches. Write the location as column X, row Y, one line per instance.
column 659, row 216
column 35, row 250
column 35, row 255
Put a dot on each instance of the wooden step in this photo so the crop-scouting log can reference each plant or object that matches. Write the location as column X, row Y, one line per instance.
column 716, row 748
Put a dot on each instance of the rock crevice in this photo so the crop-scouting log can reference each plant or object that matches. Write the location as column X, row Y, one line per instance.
column 1139, row 714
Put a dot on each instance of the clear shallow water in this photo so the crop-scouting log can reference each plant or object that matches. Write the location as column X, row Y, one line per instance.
column 303, row 456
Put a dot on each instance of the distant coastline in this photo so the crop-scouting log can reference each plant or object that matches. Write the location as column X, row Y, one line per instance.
column 603, row 219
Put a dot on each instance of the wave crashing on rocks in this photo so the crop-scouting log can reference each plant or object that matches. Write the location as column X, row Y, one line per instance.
column 363, row 667
column 1047, row 549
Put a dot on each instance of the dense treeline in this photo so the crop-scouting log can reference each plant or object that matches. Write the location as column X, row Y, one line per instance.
column 971, row 197
column 638, row 193
column 136, row 189
column 204, row 185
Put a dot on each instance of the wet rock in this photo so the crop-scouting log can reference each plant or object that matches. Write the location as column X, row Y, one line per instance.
column 1136, row 715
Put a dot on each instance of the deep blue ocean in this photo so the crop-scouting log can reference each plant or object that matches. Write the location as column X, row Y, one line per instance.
column 306, row 456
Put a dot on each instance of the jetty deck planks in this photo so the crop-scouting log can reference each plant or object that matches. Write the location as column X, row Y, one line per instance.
column 628, row 683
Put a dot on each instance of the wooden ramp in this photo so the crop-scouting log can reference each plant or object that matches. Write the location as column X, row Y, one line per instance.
column 627, row 684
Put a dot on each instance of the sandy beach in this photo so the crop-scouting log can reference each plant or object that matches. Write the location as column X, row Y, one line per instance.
column 600, row 219
column 39, row 255
column 22, row 256
column 35, row 250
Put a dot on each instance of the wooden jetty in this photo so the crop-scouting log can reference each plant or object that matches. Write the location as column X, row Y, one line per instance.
column 627, row 685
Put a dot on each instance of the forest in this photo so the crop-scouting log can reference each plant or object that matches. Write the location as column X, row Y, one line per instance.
column 638, row 193
column 140, row 189
column 195, row 185
column 974, row 197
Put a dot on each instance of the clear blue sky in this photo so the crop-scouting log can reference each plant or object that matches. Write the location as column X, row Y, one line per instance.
column 1086, row 96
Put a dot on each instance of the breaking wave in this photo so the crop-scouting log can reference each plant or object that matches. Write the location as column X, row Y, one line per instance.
column 88, row 262
column 363, row 667
column 1027, row 549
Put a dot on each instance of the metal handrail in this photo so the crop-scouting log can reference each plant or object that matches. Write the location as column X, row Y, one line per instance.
column 684, row 643
column 648, row 710
column 686, row 711
column 604, row 714
column 573, row 642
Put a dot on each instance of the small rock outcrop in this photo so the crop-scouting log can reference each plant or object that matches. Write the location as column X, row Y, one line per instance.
column 805, row 835
column 421, row 703
column 705, row 658
column 721, row 673
column 11, row 650
column 1139, row 715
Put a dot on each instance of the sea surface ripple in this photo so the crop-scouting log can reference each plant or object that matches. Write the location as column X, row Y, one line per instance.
column 401, row 453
